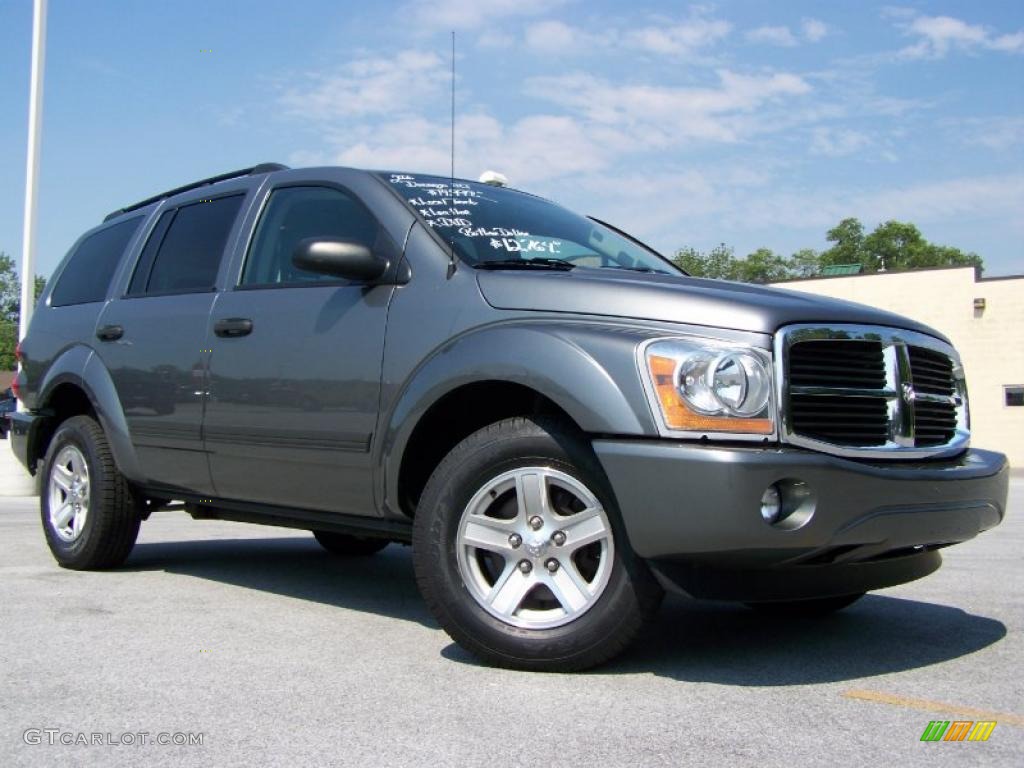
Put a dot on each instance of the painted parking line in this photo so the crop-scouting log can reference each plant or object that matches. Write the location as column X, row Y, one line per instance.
column 927, row 705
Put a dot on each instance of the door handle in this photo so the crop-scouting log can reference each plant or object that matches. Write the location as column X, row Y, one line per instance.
column 110, row 333
column 232, row 327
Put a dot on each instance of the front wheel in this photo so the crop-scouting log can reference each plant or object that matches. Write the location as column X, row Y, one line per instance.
column 519, row 554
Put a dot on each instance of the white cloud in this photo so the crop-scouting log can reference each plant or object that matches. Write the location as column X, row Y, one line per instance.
column 432, row 15
column 679, row 39
column 530, row 150
column 982, row 196
column 938, row 35
column 558, row 38
column 985, row 197
column 837, row 142
column 813, row 29
column 659, row 116
column 369, row 86
column 553, row 37
column 997, row 133
column 772, row 36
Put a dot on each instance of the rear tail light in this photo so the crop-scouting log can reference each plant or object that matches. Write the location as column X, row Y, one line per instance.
column 15, row 385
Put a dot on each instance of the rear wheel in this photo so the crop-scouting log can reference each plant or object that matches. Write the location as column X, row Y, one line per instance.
column 89, row 515
column 349, row 546
column 519, row 555
column 821, row 606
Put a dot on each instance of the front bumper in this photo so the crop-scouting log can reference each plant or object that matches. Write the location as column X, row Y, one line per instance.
column 694, row 513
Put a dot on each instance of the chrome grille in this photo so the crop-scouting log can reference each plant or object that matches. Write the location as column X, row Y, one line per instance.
column 866, row 391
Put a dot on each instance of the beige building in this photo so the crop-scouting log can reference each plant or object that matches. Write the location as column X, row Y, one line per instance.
column 984, row 318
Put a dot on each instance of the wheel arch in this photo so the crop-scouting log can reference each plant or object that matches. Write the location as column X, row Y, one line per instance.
column 489, row 375
column 78, row 383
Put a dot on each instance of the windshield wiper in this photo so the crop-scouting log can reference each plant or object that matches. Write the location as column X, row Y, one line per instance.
column 636, row 269
column 541, row 263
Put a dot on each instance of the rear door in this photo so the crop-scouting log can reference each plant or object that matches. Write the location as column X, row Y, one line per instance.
column 153, row 340
column 295, row 368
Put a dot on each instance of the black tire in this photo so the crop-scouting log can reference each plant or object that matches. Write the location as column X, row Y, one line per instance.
column 821, row 606
column 349, row 546
column 615, row 616
column 112, row 523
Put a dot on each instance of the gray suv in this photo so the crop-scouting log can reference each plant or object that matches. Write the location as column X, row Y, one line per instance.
column 561, row 422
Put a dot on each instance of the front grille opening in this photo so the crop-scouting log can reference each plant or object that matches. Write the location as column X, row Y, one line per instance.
column 931, row 372
column 842, row 420
column 936, row 423
column 836, row 363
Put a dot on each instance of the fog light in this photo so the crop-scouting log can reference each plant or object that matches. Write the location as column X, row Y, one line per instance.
column 771, row 505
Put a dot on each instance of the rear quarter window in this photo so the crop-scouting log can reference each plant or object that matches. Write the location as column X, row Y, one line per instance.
column 88, row 272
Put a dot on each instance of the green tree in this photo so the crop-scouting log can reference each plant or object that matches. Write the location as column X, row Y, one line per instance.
column 10, row 305
column 804, row 263
column 762, row 266
column 848, row 236
column 900, row 245
column 8, row 340
column 892, row 245
column 10, row 289
column 719, row 262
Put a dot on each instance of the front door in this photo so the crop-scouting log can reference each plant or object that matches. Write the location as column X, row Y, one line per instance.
column 295, row 365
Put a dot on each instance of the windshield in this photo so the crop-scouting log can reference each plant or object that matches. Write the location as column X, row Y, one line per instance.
column 495, row 226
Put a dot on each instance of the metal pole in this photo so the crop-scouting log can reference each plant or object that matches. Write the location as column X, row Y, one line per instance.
column 35, row 124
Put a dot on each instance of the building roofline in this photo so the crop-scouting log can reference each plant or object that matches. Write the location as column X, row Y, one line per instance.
column 977, row 274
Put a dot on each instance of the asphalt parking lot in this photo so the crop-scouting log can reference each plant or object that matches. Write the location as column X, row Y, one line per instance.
column 280, row 654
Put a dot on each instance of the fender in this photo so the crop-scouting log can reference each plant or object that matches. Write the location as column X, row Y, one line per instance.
column 80, row 366
column 584, row 368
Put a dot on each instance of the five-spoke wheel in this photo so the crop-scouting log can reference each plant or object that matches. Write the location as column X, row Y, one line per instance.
column 518, row 555
column 69, row 493
column 88, row 512
column 535, row 547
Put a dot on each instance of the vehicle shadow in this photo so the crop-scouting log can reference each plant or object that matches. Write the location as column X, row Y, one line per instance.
column 382, row 584
column 687, row 641
column 729, row 644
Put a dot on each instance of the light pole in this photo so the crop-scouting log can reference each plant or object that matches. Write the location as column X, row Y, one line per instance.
column 35, row 124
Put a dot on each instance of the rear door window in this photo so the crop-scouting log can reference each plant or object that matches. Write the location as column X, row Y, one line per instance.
column 186, row 252
column 88, row 272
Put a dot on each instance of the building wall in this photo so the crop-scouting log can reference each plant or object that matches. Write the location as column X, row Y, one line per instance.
column 990, row 341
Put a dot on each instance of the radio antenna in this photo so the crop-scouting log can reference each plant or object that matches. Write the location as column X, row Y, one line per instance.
column 451, row 188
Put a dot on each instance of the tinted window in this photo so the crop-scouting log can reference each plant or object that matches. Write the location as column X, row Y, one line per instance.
column 293, row 214
column 142, row 269
column 1014, row 396
column 189, row 256
column 92, row 265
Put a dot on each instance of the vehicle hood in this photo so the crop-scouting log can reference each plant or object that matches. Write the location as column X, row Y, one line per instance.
column 689, row 300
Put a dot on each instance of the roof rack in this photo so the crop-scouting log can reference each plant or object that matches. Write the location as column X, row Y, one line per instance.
column 256, row 169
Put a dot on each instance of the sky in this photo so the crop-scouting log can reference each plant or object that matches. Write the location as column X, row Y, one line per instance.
column 744, row 122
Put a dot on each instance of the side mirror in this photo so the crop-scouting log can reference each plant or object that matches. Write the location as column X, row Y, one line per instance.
column 341, row 258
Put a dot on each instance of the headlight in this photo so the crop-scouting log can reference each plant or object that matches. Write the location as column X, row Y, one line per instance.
column 699, row 385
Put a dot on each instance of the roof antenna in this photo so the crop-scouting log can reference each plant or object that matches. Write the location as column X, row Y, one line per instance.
column 451, row 189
